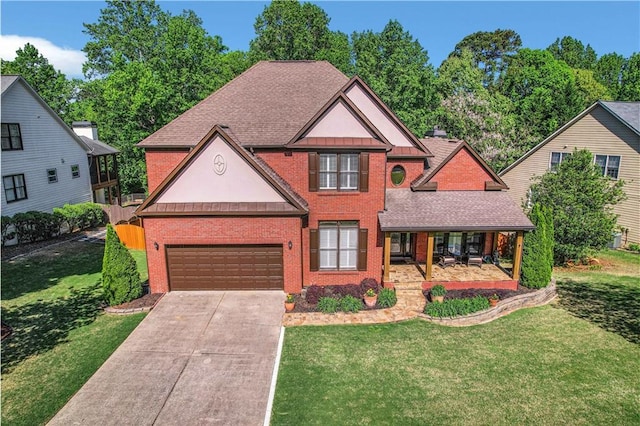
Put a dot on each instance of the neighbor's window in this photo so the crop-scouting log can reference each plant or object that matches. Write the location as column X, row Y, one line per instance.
column 14, row 188
column 557, row 158
column 397, row 175
column 75, row 171
column 339, row 171
column 609, row 165
column 11, row 138
column 52, row 175
column 338, row 245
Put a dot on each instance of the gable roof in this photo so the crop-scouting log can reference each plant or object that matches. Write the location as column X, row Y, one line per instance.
column 295, row 205
column 628, row 113
column 339, row 97
column 444, row 150
column 10, row 81
column 264, row 106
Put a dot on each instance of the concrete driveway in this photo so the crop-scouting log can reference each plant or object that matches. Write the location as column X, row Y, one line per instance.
column 198, row 358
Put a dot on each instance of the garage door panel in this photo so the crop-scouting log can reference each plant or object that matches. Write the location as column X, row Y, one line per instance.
column 225, row 267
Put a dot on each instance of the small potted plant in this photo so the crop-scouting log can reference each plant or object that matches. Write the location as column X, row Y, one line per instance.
column 370, row 298
column 493, row 300
column 437, row 293
column 289, row 303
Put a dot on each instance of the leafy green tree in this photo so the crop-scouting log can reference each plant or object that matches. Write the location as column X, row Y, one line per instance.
column 537, row 251
column 630, row 79
column 581, row 200
column 396, row 67
column 574, row 53
column 608, row 72
column 120, row 276
column 589, row 88
column 543, row 91
column 289, row 30
column 491, row 51
column 52, row 85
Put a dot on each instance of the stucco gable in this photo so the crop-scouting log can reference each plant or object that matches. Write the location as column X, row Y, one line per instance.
column 219, row 176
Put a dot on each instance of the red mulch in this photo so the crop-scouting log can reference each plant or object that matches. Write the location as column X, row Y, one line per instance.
column 6, row 331
column 146, row 301
column 472, row 292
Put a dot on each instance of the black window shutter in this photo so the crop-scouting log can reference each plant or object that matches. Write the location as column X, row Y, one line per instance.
column 362, row 249
column 313, row 171
column 314, row 252
column 364, row 172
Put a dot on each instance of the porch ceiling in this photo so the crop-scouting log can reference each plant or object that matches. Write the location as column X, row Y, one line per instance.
column 453, row 211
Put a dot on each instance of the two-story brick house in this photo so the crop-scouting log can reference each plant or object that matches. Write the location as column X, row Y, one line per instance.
column 293, row 174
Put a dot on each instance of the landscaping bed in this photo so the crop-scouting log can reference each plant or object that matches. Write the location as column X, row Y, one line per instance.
column 146, row 301
column 473, row 292
column 310, row 297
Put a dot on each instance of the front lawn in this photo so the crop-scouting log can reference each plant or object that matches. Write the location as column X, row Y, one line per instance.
column 545, row 365
column 61, row 337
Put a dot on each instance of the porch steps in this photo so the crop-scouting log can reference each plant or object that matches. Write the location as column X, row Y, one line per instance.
column 408, row 285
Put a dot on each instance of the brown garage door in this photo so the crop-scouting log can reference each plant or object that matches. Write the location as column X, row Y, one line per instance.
column 233, row 267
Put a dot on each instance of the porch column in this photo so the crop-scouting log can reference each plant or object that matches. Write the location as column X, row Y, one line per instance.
column 495, row 242
column 517, row 256
column 387, row 255
column 429, row 263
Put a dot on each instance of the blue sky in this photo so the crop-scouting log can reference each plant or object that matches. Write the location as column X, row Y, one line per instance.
column 55, row 27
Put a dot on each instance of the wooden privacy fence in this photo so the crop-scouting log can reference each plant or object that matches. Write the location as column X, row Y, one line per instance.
column 132, row 236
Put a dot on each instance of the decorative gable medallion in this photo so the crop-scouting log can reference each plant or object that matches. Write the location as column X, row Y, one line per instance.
column 219, row 164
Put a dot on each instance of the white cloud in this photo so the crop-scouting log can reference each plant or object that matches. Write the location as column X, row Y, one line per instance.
column 65, row 59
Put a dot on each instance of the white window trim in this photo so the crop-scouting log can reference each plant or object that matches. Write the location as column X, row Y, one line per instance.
column 55, row 175
column 606, row 164
column 347, row 224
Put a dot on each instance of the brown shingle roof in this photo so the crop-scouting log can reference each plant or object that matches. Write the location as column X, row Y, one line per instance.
column 98, row 147
column 407, row 152
column 264, row 106
column 221, row 209
column 441, row 148
column 368, row 143
column 451, row 211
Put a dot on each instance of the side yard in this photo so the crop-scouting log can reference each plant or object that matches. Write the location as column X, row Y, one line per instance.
column 562, row 363
column 52, row 300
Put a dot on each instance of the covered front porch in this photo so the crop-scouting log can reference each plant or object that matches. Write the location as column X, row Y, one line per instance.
column 451, row 238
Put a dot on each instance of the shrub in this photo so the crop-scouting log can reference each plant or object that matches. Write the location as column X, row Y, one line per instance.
column 347, row 290
column 314, row 293
column 387, row 298
column 537, row 253
column 438, row 290
column 457, row 307
column 634, row 247
column 350, row 304
column 369, row 283
column 120, row 277
column 328, row 305
column 36, row 226
column 81, row 216
column 6, row 222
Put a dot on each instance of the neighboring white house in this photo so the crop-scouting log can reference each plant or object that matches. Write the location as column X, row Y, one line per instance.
column 44, row 163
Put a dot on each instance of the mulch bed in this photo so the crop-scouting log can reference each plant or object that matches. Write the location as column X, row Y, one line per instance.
column 146, row 301
column 6, row 331
column 303, row 306
column 472, row 292
column 22, row 249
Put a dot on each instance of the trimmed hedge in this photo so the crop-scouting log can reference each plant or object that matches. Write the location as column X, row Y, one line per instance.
column 537, row 253
column 457, row 307
column 120, row 276
column 39, row 226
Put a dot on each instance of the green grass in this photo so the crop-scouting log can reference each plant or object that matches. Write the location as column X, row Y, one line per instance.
column 544, row 365
column 61, row 337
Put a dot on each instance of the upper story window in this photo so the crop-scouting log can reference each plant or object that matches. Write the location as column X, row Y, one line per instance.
column 557, row 158
column 11, row 137
column 15, row 188
column 609, row 165
column 339, row 171
column 52, row 175
column 75, row 171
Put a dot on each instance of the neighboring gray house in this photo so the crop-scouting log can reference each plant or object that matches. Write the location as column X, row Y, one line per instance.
column 611, row 131
column 44, row 163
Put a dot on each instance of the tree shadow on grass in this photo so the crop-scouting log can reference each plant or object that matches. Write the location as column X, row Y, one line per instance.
column 40, row 326
column 613, row 307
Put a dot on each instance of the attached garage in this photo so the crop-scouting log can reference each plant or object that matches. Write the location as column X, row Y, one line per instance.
column 225, row 267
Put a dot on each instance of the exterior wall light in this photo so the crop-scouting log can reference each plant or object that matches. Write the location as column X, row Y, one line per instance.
column 155, row 245
column 290, row 245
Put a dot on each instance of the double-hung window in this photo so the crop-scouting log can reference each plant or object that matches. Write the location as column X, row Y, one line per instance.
column 14, row 188
column 338, row 245
column 11, row 137
column 75, row 171
column 339, row 171
column 609, row 165
column 557, row 158
column 52, row 175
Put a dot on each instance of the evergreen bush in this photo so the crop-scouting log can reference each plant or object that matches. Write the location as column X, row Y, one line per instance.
column 537, row 252
column 120, row 277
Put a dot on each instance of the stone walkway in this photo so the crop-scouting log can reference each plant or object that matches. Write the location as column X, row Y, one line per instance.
column 410, row 305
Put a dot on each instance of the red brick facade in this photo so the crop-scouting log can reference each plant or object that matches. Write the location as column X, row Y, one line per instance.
column 160, row 163
column 199, row 230
column 413, row 168
column 462, row 173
